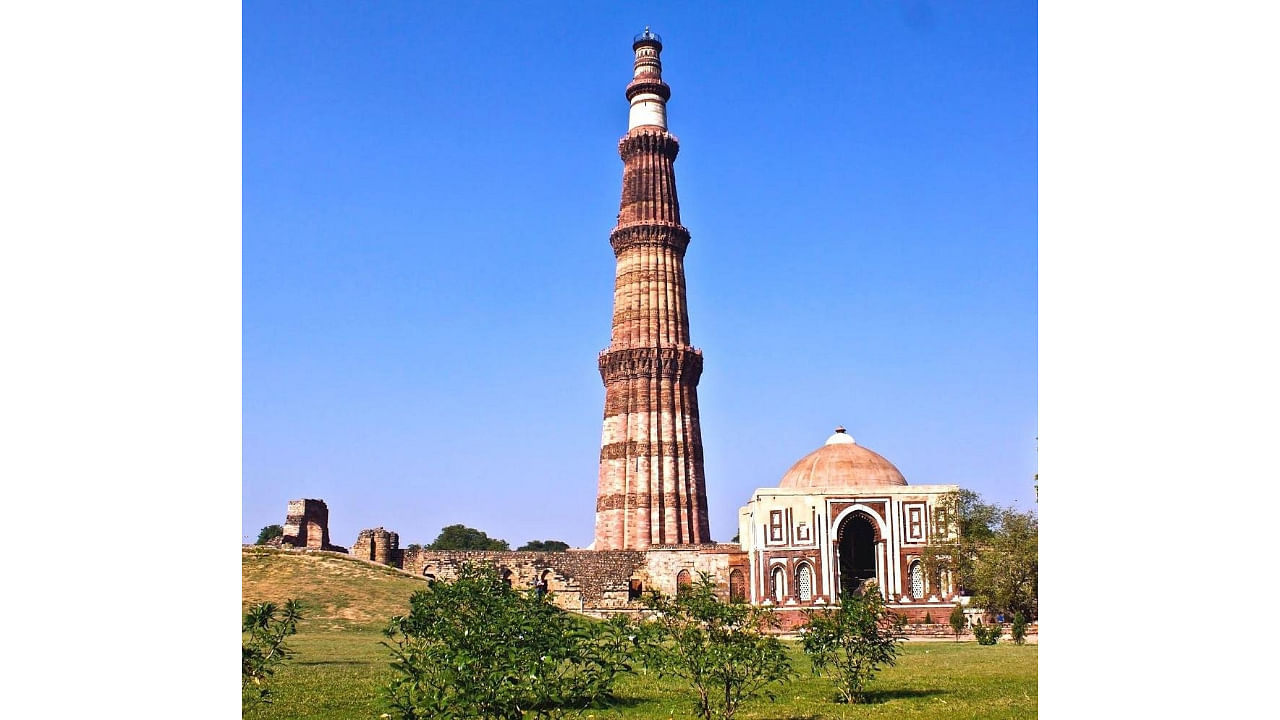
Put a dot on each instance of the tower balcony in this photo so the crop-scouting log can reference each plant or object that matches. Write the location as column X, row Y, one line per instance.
column 647, row 37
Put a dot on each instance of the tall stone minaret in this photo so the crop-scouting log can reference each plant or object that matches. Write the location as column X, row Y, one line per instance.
column 652, row 490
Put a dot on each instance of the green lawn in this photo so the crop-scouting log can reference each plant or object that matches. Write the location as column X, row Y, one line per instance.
column 336, row 675
column 339, row 664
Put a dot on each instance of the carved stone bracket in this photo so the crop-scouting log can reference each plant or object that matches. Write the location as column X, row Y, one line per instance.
column 648, row 140
column 643, row 363
column 649, row 233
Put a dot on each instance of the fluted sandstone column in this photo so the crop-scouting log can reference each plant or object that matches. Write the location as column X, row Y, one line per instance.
column 651, row 490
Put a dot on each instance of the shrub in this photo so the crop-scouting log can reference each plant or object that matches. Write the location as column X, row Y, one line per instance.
column 928, row 619
column 545, row 545
column 476, row 648
column 987, row 634
column 717, row 647
column 461, row 537
column 1019, row 628
column 262, row 647
column 269, row 532
column 957, row 620
column 853, row 641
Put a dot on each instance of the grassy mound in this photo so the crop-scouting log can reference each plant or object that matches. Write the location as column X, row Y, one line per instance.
column 337, row 592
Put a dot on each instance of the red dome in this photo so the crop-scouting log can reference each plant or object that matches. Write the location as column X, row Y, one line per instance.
column 841, row 464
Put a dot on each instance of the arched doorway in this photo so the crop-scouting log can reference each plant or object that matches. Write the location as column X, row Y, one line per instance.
column 737, row 590
column 683, row 582
column 857, row 547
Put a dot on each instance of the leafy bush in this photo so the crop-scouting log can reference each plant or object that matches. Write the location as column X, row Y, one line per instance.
column 1019, row 629
column 928, row 619
column 262, row 647
column 545, row 545
column 269, row 532
column 461, row 537
column 476, row 648
column 957, row 620
column 853, row 641
column 987, row 634
column 717, row 647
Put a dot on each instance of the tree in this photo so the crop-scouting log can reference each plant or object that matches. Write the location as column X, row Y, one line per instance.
column 461, row 537
column 853, row 641
column 1019, row 629
column 414, row 547
column 957, row 620
column 990, row 552
column 269, row 532
column 476, row 648
column 262, row 646
column 545, row 545
column 1005, row 572
column 717, row 647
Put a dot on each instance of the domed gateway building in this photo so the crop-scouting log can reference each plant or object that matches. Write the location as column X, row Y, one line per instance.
column 844, row 519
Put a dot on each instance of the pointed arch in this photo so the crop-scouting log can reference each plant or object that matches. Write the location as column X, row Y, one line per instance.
column 804, row 582
column 737, row 588
column 683, row 581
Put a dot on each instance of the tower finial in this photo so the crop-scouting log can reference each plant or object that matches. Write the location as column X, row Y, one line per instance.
column 647, row 92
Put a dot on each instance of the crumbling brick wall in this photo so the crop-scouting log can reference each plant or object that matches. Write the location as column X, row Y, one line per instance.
column 596, row 582
column 306, row 525
column 582, row 580
column 379, row 545
column 664, row 563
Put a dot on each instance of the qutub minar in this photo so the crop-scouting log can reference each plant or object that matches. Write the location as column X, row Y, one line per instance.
column 652, row 487
column 842, row 518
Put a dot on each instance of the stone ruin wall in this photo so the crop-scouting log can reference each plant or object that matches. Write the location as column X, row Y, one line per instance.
column 306, row 525
column 594, row 582
column 379, row 545
column 663, row 564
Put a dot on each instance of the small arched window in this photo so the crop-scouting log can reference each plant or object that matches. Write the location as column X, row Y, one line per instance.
column 917, row 580
column 804, row 582
column 683, row 581
column 737, row 593
column 779, row 584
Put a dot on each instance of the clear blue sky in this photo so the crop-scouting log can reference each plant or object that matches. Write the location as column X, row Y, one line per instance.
column 428, row 193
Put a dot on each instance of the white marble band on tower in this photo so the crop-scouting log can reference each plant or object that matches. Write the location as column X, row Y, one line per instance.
column 647, row 109
column 647, row 92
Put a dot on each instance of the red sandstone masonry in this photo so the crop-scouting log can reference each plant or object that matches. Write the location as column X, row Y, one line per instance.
column 652, row 487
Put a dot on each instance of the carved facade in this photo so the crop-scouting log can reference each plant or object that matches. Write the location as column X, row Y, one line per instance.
column 843, row 519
